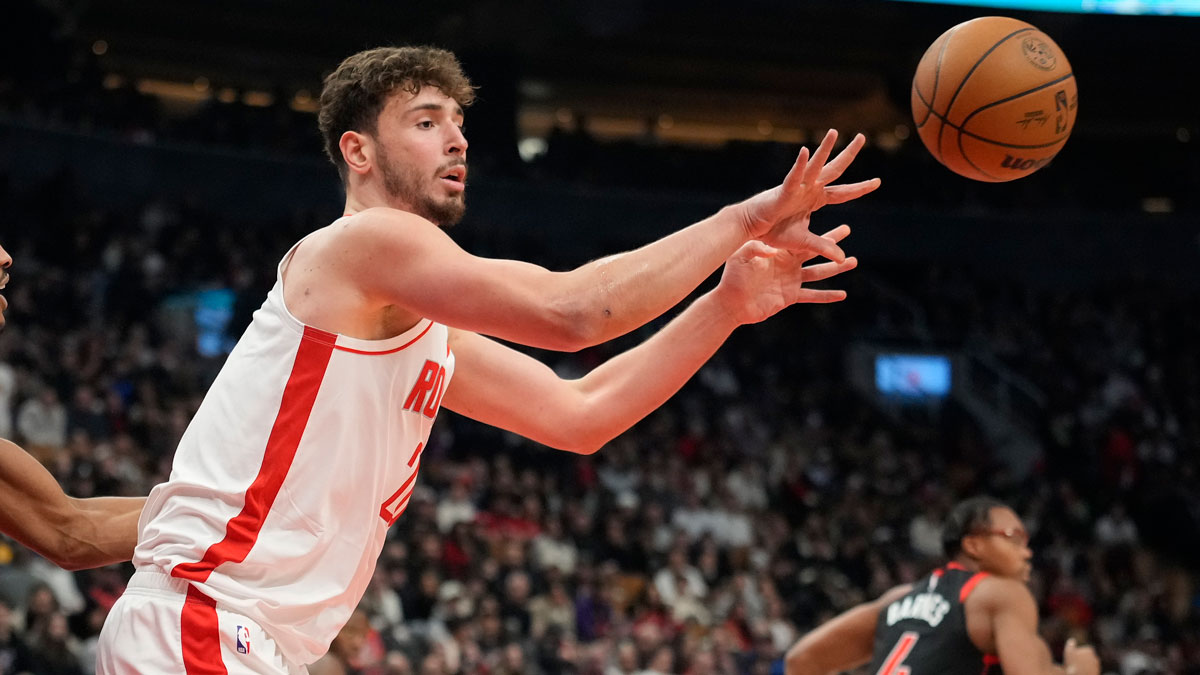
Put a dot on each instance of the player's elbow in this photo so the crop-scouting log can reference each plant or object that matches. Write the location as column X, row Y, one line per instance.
column 577, row 441
column 574, row 323
column 799, row 662
column 72, row 561
column 575, row 435
column 61, row 547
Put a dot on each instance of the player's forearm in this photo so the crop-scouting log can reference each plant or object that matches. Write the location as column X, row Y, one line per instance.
column 628, row 387
column 841, row 644
column 800, row 663
column 622, row 292
column 103, row 531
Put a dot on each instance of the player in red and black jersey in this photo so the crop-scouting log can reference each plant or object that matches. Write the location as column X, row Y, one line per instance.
column 975, row 615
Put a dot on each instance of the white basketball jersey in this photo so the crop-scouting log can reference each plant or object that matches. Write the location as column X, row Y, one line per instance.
column 303, row 452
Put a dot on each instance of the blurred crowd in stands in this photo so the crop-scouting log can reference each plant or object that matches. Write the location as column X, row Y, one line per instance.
column 764, row 498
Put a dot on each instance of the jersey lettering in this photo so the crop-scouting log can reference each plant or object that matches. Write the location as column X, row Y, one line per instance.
column 894, row 663
column 429, row 383
column 928, row 607
column 435, row 398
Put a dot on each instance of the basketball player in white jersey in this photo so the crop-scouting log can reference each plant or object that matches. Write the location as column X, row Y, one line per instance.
column 307, row 446
column 72, row 533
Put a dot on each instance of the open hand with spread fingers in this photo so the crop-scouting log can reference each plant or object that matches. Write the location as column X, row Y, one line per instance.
column 759, row 279
column 779, row 216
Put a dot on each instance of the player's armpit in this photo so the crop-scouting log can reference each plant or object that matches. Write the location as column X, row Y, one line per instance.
column 842, row 643
column 505, row 388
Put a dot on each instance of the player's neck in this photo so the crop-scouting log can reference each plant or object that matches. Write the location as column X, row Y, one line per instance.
column 363, row 197
column 967, row 563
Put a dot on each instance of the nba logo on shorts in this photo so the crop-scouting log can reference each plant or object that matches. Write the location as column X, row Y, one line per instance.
column 243, row 640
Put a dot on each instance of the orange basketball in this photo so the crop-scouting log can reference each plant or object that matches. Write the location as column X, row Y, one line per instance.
column 994, row 99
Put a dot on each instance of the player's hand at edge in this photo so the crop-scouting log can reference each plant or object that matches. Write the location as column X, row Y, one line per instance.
column 759, row 279
column 1080, row 659
column 780, row 216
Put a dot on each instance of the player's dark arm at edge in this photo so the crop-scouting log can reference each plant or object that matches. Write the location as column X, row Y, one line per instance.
column 843, row 643
column 72, row 533
column 1013, row 613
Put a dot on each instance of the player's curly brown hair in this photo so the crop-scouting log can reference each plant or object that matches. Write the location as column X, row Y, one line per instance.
column 357, row 91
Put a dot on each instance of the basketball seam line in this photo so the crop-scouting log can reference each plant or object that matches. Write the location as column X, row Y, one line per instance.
column 937, row 76
column 1002, row 144
column 962, row 151
column 950, row 105
column 1016, row 96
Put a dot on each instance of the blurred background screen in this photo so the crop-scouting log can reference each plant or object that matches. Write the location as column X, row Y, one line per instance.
column 912, row 375
column 1180, row 7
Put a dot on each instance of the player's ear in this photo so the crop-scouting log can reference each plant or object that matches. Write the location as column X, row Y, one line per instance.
column 970, row 546
column 358, row 151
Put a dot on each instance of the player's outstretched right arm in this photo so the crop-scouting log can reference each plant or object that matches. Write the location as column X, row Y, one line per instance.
column 1012, row 613
column 393, row 258
column 72, row 533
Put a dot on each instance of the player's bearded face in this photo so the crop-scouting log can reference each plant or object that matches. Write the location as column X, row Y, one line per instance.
column 421, row 190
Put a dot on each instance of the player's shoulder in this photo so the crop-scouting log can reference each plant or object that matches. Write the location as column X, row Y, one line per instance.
column 993, row 592
column 381, row 222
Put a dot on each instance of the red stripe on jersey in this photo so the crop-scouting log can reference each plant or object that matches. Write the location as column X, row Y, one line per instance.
column 938, row 573
column 991, row 660
column 389, row 351
column 970, row 586
column 242, row 530
column 200, row 635
column 955, row 566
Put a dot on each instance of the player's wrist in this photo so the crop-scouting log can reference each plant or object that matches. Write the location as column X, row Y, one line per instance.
column 723, row 310
column 744, row 222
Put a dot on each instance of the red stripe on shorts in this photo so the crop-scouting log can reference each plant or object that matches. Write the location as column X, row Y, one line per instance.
column 201, row 635
column 242, row 530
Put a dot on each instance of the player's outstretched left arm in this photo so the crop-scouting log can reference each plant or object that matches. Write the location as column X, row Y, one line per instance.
column 72, row 533
column 505, row 388
column 842, row 643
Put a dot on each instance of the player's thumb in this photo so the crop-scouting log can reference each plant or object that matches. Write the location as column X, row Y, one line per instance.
column 757, row 249
column 1070, row 646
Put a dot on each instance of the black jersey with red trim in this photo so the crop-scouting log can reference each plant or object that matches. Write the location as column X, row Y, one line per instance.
column 925, row 631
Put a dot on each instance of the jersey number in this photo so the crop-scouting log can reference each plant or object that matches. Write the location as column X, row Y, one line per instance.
column 395, row 505
column 894, row 663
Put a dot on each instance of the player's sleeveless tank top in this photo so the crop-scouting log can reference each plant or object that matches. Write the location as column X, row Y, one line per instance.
column 303, row 452
column 925, row 632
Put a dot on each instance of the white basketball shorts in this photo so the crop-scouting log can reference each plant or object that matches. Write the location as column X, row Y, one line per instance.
column 164, row 625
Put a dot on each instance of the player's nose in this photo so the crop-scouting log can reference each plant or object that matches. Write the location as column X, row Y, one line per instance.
column 457, row 143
